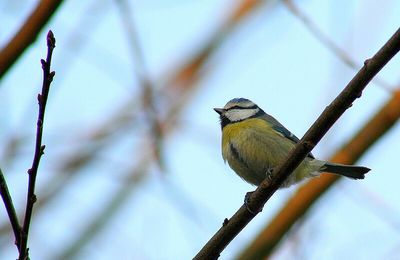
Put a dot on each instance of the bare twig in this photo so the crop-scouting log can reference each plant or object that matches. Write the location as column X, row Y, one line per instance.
column 12, row 215
column 27, row 33
column 297, row 206
column 329, row 116
column 39, row 148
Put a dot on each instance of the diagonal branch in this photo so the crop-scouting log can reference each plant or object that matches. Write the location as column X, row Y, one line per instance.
column 329, row 116
column 268, row 239
column 27, row 34
column 12, row 215
column 39, row 148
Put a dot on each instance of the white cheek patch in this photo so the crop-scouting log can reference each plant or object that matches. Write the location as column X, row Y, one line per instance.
column 240, row 114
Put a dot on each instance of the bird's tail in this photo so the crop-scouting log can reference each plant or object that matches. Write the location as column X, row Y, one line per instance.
column 350, row 171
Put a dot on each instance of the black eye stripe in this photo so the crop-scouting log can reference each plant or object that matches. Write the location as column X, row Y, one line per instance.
column 239, row 107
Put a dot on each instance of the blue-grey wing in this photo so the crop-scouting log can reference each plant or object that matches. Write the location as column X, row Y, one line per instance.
column 283, row 130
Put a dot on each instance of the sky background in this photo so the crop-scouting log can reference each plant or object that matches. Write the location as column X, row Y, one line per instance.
column 271, row 57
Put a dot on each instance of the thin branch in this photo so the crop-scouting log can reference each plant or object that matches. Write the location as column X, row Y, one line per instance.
column 327, row 42
column 12, row 215
column 329, row 116
column 39, row 148
column 27, row 34
column 297, row 206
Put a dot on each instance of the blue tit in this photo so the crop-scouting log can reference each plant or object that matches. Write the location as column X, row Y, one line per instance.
column 254, row 143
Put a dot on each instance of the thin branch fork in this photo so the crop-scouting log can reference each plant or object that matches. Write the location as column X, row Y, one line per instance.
column 39, row 148
column 329, row 116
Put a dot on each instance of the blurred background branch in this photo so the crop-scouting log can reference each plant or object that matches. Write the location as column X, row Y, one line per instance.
column 27, row 34
column 326, row 41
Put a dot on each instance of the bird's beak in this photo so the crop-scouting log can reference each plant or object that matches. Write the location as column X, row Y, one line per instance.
column 220, row 111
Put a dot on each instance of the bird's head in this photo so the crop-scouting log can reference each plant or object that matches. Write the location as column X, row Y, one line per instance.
column 236, row 110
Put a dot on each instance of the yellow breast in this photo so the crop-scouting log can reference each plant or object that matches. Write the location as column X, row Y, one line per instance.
column 251, row 147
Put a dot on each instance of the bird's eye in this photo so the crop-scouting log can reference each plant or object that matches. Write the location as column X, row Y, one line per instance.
column 236, row 107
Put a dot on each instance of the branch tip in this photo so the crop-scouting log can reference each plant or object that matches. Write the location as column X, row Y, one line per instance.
column 51, row 41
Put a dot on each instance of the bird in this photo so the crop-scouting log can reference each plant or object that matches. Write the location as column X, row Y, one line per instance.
column 254, row 143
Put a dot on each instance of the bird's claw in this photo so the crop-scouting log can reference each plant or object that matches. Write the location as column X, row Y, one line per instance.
column 269, row 175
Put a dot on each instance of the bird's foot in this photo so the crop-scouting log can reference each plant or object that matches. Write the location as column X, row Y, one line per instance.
column 270, row 175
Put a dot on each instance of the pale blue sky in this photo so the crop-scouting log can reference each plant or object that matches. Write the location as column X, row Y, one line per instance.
column 271, row 58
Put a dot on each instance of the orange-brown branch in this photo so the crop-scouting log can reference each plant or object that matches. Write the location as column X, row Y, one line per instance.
column 27, row 34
